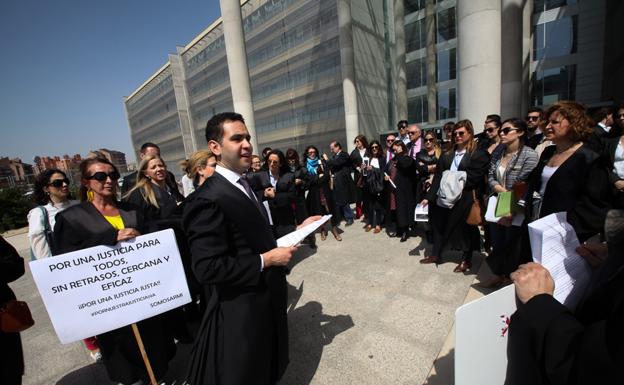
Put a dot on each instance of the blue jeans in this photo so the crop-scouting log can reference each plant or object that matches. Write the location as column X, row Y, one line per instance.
column 347, row 212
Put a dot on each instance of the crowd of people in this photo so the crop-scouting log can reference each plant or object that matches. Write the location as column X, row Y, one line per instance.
column 554, row 160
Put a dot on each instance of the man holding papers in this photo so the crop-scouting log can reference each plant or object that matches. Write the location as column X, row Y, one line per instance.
column 243, row 338
column 550, row 344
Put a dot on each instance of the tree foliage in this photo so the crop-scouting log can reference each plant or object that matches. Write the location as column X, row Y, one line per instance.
column 14, row 207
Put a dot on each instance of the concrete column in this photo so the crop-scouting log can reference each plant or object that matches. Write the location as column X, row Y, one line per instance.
column 347, row 65
column 431, row 60
column 479, row 59
column 237, row 65
column 399, row 54
column 527, row 47
column 511, row 58
column 178, row 75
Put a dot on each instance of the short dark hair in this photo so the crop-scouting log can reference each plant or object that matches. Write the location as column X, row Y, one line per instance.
column 402, row 124
column 283, row 164
column 601, row 113
column 214, row 127
column 495, row 118
column 337, row 144
column 42, row 180
column 145, row 146
column 265, row 152
column 535, row 109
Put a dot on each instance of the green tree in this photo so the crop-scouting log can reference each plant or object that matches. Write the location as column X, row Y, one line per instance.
column 14, row 207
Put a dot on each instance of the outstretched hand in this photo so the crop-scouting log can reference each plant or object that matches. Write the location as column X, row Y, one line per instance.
column 309, row 220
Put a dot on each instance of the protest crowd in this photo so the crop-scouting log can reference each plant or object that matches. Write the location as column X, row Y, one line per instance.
column 559, row 159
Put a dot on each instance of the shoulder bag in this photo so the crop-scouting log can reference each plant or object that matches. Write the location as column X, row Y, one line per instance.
column 475, row 217
column 15, row 317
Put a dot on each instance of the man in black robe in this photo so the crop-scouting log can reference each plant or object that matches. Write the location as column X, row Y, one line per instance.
column 243, row 338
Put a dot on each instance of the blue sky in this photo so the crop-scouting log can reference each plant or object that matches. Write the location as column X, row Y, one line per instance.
column 66, row 65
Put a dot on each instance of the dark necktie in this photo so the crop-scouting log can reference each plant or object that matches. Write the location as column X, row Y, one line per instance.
column 243, row 181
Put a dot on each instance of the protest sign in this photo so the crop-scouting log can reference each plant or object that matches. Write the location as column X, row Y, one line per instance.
column 94, row 290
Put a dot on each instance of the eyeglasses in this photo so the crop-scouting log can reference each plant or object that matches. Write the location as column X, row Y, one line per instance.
column 375, row 146
column 532, row 118
column 489, row 130
column 620, row 116
column 507, row 130
column 429, row 140
column 390, row 140
column 58, row 183
column 459, row 133
column 101, row 176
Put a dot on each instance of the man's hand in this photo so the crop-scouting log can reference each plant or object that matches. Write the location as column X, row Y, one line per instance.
column 298, row 181
column 506, row 220
column 279, row 256
column 532, row 279
column 309, row 220
column 424, row 202
column 269, row 192
column 127, row 233
column 619, row 185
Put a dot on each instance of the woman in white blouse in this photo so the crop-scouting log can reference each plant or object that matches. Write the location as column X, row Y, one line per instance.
column 52, row 196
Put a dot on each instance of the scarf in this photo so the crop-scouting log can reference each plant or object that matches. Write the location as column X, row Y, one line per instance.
column 312, row 165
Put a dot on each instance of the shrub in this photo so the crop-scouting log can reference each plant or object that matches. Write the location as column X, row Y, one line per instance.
column 14, row 207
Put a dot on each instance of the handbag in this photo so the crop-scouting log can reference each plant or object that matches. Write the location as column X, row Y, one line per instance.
column 15, row 317
column 475, row 217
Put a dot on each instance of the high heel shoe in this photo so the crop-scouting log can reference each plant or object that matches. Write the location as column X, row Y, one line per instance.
column 323, row 235
column 335, row 233
column 368, row 228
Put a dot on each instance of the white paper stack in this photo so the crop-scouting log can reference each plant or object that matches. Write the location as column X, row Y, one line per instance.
column 294, row 238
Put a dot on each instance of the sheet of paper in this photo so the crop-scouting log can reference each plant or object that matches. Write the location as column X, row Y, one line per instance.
column 553, row 244
column 421, row 213
column 390, row 180
column 481, row 338
column 491, row 210
column 268, row 211
column 294, row 238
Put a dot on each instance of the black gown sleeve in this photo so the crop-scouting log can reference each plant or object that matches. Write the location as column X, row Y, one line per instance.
column 69, row 238
column 11, row 264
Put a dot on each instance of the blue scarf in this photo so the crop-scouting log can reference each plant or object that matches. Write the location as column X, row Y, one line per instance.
column 312, row 165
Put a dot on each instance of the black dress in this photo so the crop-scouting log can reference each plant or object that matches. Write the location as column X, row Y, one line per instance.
column 82, row 226
column 403, row 178
column 301, row 212
column 320, row 199
column 11, row 355
column 425, row 178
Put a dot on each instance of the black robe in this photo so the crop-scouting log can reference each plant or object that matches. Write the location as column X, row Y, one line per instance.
column 11, row 355
column 82, row 226
column 405, row 181
column 243, row 338
column 282, row 206
column 451, row 223
column 580, row 187
column 319, row 183
column 344, row 188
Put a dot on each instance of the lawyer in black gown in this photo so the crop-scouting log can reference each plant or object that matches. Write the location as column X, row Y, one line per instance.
column 243, row 338
column 11, row 354
column 101, row 220
column 550, row 344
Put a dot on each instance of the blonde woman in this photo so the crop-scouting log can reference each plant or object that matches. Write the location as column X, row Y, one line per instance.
column 201, row 166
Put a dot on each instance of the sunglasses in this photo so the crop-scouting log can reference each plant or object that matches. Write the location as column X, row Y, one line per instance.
column 489, row 130
column 429, row 140
column 532, row 118
column 58, row 183
column 620, row 116
column 459, row 133
column 101, row 176
column 375, row 146
column 507, row 130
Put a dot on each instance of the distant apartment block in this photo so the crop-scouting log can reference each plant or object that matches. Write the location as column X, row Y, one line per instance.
column 67, row 164
column 117, row 158
column 13, row 171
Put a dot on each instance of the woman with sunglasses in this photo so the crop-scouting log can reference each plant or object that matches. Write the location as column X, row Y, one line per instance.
column 51, row 193
column 401, row 203
column 570, row 177
column 511, row 164
column 320, row 199
column 101, row 220
column 374, row 187
column 358, row 156
column 449, row 225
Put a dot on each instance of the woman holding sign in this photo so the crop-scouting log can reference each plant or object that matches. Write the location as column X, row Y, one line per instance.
column 510, row 166
column 101, row 220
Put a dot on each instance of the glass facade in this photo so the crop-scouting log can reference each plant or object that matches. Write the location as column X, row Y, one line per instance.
column 295, row 71
column 545, row 5
column 445, row 59
column 555, row 38
column 553, row 84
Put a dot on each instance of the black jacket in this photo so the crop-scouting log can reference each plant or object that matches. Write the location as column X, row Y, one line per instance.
column 243, row 338
column 344, row 188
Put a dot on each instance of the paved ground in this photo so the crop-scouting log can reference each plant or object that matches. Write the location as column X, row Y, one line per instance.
column 361, row 311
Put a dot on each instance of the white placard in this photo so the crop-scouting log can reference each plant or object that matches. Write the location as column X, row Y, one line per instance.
column 481, row 332
column 94, row 290
column 421, row 213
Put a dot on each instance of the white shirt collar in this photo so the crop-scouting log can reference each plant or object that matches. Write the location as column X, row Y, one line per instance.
column 228, row 174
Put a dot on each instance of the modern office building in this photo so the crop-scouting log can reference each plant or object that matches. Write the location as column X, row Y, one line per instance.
column 329, row 69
